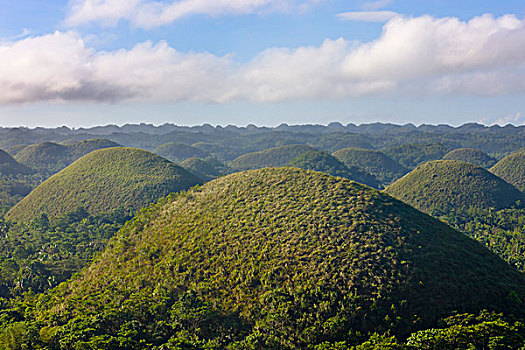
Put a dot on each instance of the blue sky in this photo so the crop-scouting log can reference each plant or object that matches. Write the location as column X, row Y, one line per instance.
column 89, row 62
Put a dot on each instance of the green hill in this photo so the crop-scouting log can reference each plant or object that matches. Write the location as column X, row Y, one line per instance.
column 50, row 157
column 207, row 170
column 104, row 180
column 323, row 161
column 272, row 157
column 9, row 166
column 376, row 163
column 273, row 259
column 177, row 152
column 471, row 155
column 512, row 170
column 444, row 186
column 412, row 154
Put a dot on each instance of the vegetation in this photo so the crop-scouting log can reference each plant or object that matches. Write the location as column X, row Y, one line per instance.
column 276, row 259
column 10, row 167
column 273, row 157
column 411, row 155
column 206, row 169
column 471, row 155
column 512, row 170
column 50, row 157
column 178, row 152
column 444, row 186
column 323, row 161
column 376, row 163
column 102, row 181
column 38, row 255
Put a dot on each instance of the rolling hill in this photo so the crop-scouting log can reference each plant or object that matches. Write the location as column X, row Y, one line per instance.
column 274, row 259
column 444, row 186
column 9, row 166
column 512, row 169
column 411, row 155
column 325, row 162
column 50, row 157
column 206, row 169
column 272, row 157
column 178, row 152
column 104, row 180
column 376, row 163
column 471, row 155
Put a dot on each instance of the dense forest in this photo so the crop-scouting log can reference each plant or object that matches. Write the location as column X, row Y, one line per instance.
column 376, row 236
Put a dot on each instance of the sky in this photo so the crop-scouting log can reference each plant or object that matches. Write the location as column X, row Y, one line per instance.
column 82, row 63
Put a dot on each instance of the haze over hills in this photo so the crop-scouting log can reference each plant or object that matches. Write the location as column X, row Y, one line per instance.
column 512, row 170
column 268, row 259
column 444, row 186
column 471, row 155
column 104, row 180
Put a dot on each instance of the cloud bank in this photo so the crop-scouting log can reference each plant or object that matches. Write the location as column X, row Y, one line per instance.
column 413, row 56
column 149, row 14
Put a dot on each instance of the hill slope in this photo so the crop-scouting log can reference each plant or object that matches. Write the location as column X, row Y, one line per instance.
column 50, row 157
column 444, row 186
column 177, row 152
column 512, row 170
column 412, row 154
column 471, row 155
column 376, row 163
column 9, row 166
column 207, row 170
column 272, row 157
column 276, row 259
column 104, row 180
column 323, row 161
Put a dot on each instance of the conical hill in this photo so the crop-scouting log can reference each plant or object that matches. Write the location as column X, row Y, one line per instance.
column 512, row 169
column 278, row 258
column 376, row 163
column 104, row 180
column 443, row 186
column 471, row 155
column 272, row 157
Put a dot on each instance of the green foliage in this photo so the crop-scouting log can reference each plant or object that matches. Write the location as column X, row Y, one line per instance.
column 104, row 180
column 447, row 186
column 38, row 255
column 512, row 170
column 206, row 169
column 178, row 152
column 274, row 259
column 411, row 155
column 9, row 166
column 50, row 157
column 471, row 155
column 376, row 163
column 323, row 161
column 273, row 157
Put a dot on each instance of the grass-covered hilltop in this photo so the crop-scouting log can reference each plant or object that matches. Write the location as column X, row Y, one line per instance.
column 272, row 157
column 471, row 155
column 376, row 163
column 50, row 157
column 444, row 186
column 274, row 259
column 104, row 180
column 512, row 169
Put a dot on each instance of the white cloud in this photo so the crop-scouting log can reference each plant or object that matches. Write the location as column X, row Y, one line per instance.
column 514, row 119
column 413, row 56
column 376, row 5
column 149, row 14
column 368, row 16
